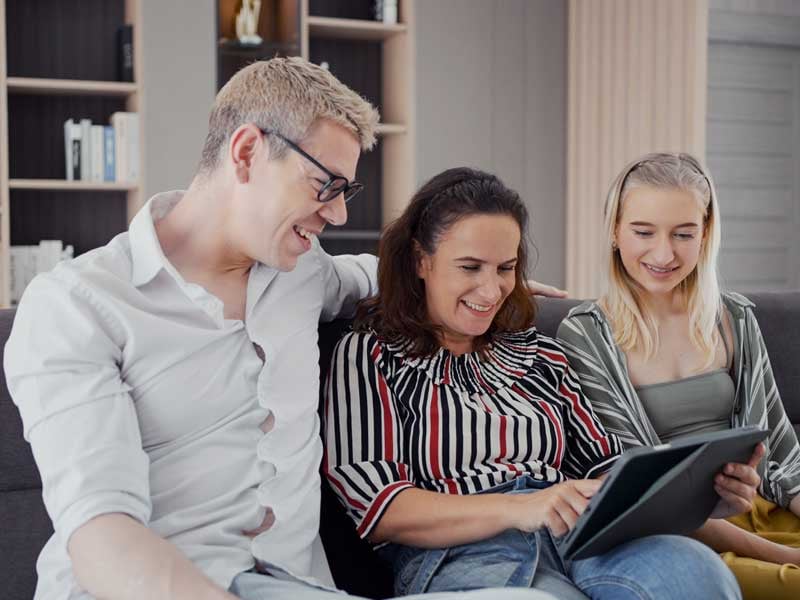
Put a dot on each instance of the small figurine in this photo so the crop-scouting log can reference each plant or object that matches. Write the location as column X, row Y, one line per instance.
column 247, row 23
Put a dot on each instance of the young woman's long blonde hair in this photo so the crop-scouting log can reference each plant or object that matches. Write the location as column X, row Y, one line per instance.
column 622, row 301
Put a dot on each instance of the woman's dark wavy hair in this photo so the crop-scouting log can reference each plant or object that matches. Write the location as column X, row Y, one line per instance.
column 399, row 312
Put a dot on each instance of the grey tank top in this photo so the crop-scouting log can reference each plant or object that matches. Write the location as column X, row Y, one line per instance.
column 696, row 404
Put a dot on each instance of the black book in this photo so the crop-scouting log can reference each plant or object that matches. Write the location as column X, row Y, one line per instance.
column 125, row 53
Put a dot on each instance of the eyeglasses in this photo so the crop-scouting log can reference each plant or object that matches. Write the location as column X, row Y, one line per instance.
column 335, row 185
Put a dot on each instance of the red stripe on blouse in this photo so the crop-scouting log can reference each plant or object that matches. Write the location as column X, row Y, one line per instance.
column 557, row 357
column 433, row 448
column 557, row 426
column 584, row 417
column 342, row 491
column 388, row 419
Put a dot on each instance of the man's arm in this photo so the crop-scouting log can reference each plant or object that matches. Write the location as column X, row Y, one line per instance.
column 62, row 364
column 115, row 556
column 346, row 278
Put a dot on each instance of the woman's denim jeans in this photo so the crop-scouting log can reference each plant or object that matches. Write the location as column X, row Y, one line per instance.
column 663, row 567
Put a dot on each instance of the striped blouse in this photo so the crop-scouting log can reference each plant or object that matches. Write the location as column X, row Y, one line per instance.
column 454, row 424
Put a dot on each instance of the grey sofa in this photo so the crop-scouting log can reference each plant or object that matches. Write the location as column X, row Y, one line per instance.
column 25, row 526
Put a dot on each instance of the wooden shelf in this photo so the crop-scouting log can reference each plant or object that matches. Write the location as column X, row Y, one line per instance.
column 32, row 85
column 390, row 129
column 77, row 186
column 352, row 29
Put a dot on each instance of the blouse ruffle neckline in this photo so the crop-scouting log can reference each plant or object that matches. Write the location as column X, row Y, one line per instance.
column 506, row 360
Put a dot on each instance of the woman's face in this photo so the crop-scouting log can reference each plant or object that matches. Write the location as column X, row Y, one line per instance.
column 659, row 236
column 469, row 276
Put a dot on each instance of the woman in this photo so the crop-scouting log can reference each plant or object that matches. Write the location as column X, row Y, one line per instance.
column 458, row 438
column 663, row 353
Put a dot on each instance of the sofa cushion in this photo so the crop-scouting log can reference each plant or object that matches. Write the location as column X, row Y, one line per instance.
column 17, row 469
column 26, row 527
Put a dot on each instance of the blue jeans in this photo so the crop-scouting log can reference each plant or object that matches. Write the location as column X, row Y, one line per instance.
column 251, row 585
column 662, row 567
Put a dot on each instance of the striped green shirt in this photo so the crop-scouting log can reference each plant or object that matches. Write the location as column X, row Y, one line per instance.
column 602, row 369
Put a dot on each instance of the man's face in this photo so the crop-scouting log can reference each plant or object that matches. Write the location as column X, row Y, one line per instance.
column 277, row 211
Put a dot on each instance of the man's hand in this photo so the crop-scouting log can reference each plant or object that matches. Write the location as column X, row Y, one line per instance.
column 737, row 485
column 542, row 289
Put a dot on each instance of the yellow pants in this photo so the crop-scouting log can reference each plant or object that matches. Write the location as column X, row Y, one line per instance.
column 762, row 580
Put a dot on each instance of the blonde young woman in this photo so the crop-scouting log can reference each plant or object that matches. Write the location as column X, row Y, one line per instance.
column 664, row 353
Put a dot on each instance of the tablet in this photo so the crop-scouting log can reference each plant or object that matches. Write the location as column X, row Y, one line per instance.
column 666, row 489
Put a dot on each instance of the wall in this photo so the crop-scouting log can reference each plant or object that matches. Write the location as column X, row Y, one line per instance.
column 637, row 84
column 180, row 84
column 491, row 93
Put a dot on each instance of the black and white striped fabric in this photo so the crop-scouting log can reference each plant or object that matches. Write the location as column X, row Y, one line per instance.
column 454, row 424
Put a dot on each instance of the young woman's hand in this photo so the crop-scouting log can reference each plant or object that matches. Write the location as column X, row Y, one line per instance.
column 557, row 507
column 737, row 485
column 542, row 289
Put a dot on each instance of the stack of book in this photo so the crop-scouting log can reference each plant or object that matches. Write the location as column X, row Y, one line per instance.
column 103, row 152
column 28, row 261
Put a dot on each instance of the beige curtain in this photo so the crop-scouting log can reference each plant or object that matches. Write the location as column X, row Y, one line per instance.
column 637, row 83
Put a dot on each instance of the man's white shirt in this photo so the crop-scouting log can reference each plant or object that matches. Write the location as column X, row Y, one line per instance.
column 139, row 397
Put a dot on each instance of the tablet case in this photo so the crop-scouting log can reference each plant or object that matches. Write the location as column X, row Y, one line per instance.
column 667, row 489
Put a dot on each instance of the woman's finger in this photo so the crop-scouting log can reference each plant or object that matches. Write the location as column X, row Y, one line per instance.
column 744, row 473
column 758, row 453
column 587, row 487
column 735, row 486
column 563, row 507
column 542, row 289
column 737, row 504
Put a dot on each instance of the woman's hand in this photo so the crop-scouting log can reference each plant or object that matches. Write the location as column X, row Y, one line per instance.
column 542, row 289
column 557, row 507
column 737, row 485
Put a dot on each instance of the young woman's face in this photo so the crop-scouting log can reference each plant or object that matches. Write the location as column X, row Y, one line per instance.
column 659, row 236
column 469, row 276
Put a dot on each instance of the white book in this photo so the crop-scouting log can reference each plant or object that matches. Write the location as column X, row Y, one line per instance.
column 133, row 147
column 72, row 149
column 96, row 147
column 23, row 269
column 48, row 254
column 120, row 125
column 86, row 149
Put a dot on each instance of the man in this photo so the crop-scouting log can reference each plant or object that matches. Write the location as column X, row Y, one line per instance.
column 168, row 381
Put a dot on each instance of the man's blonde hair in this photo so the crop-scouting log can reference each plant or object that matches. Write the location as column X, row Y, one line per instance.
column 632, row 327
column 288, row 96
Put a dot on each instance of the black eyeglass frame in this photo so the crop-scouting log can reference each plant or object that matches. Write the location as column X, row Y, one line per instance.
column 335, row 185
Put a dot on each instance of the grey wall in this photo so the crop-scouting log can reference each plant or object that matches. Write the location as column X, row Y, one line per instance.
column 491, row 93
column 179, row 60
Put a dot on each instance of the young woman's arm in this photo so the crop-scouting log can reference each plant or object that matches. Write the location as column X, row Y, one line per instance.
column 781, row 482
column 431, row 520
column 722, row 536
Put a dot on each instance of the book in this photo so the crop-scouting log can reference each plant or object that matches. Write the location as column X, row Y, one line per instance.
column 125, row 53
column 72, row 150
column 120, row 125
column 109, row 163
column 133, row 147
column 86, row 153
column 96, row 147
column 126, row 146
column 28, row 261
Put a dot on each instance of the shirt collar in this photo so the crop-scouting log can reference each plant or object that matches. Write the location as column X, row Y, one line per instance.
column 146, row 253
